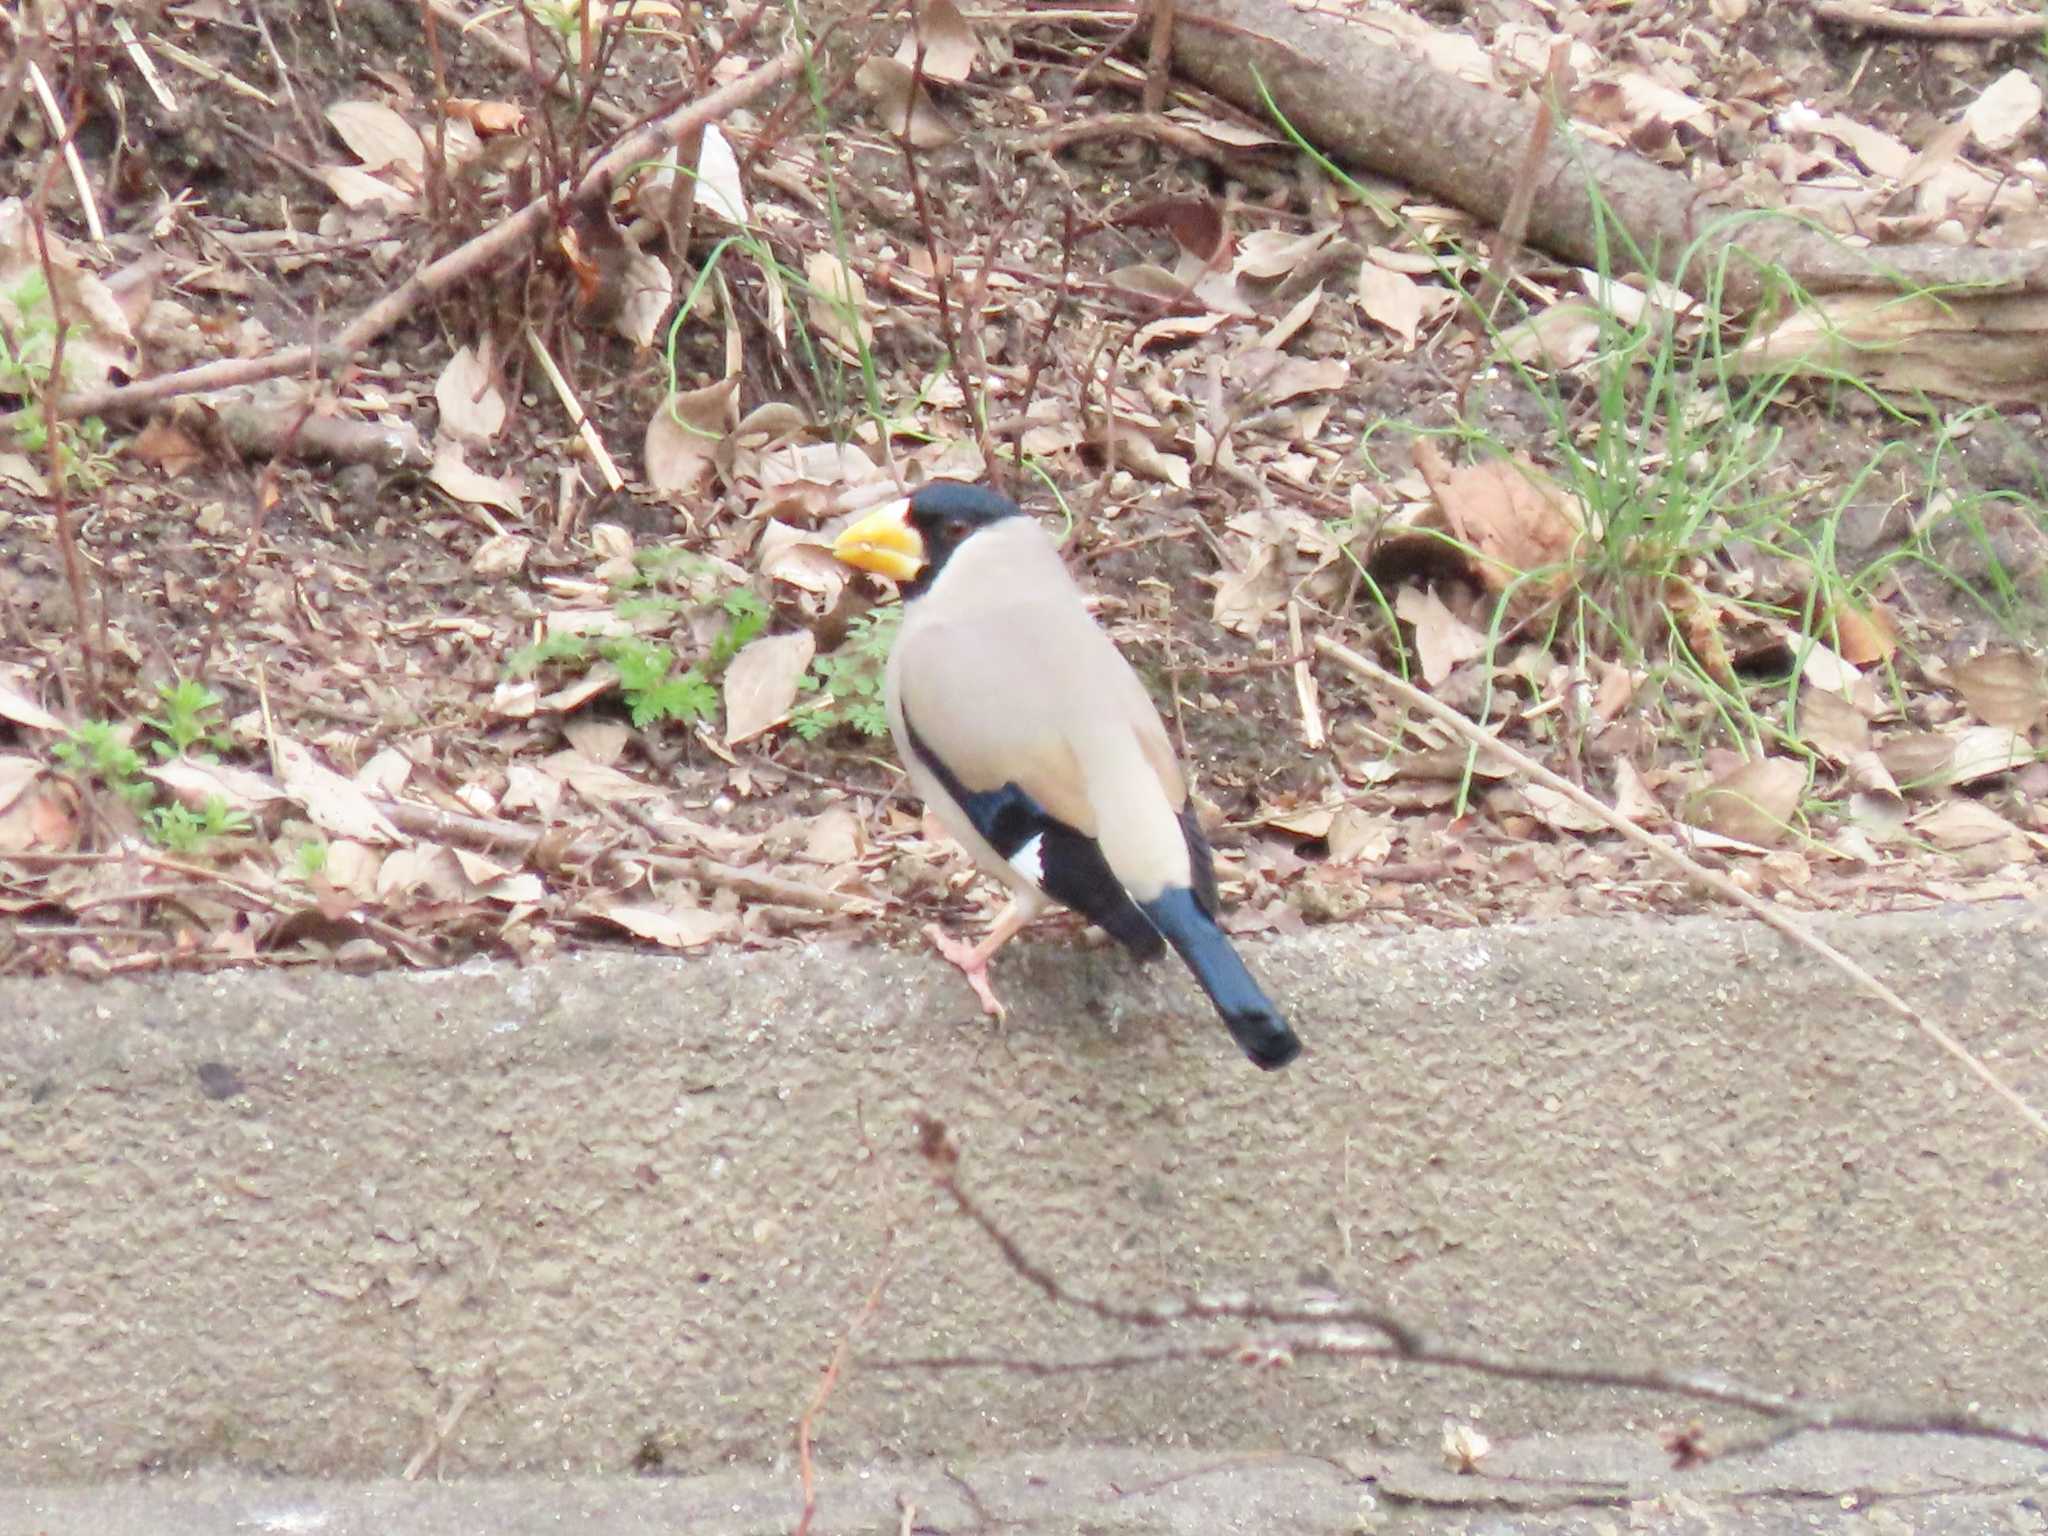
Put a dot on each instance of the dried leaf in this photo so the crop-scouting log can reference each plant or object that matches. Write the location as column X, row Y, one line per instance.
column 900, row 102
column 378, row 136
column 1391, row 299
column 684, row 436
column 675, row 925
column 1442, row 639
column 2003, row 688
column 1756, row 803
column 471, row 406
column 166, row 447
column 23, row 710
column 1982, row 837
column 949, row 43
column 2007, row 109
column 1557, row 811
column 1271, row 253
column 452, row 474
column 761, row 683
column 355, row 188
column 1984, row 751
column 834, row 837
column 19, row 472
column 1135, row 451
column 1513, row 517
column 1359, row 836
column 647, row 291
column 1831, row 725
column 1865, row 637
column 802, row 559
column 1560, row 336
column 718, row 178
column 838, row 303
column 195, row 782
column 332, row 803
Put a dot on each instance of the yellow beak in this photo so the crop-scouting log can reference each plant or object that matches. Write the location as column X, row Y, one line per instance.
column 883, row 542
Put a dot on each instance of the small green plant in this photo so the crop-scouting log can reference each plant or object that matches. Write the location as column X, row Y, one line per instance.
column 28, row 348
column 846, row 686
column 189, row 716
column 653, row 689
column 98, row 751
column 180, row 829
column 648, row 680
column 310, row 858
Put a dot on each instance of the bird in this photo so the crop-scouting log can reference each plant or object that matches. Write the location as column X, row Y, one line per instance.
column 1032, row 740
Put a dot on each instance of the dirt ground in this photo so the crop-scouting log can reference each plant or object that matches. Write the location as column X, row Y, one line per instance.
column 361, row 626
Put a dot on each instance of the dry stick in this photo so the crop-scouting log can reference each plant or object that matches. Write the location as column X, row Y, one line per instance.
column 90, row 618
column 1874, row 18
column 1334, row 1333
column 942, row 277
column 824, row 1393
column 1371, row 672
column 1514, row 223
column 1044, row 347
column 466, row 261
column 1159, row 58
column 525, row 842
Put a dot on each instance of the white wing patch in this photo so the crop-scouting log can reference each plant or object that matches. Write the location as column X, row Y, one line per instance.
column 1029, row 861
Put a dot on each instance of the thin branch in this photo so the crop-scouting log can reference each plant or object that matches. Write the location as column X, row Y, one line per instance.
column 1333, row 1329
column 465, row 262
column 1776, row 917
column 539, row 844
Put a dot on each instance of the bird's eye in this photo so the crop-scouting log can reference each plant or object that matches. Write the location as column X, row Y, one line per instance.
column 955, row 530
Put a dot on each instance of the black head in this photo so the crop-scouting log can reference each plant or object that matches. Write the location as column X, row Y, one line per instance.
column 946, row 513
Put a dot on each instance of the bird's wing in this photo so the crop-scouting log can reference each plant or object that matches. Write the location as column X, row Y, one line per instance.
column 1021, row 694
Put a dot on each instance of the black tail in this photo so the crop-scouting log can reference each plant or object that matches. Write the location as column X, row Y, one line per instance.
column 1253, row 1021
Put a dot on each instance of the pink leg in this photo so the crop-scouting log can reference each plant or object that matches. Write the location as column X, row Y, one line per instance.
column 973, row 959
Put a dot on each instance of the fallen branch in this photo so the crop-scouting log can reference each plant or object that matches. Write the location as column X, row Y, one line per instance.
column 1343, row 1331
column 1375, row 107
column 534, row 845
column 1877, row 18
column 465, row 263
column 267, row 432
column 1783, row 921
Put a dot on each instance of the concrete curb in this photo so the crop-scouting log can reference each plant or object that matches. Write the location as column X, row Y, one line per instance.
column 617, row 1211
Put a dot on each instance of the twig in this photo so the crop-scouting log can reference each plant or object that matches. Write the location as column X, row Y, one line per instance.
column 1554, row 100
column 145, row 66
column 585, row 428
column 824, row 1392
column 1714, row 880
column 1877, row 18
column 90, row 617
column 1039, row 353
column 61, row 127
column 459, row 265
column 1304, row 681
column 526, row 843
column 1159, row 57
column 1333, row 1330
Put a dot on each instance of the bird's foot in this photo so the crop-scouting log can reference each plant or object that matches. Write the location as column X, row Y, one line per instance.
column 973, row 964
